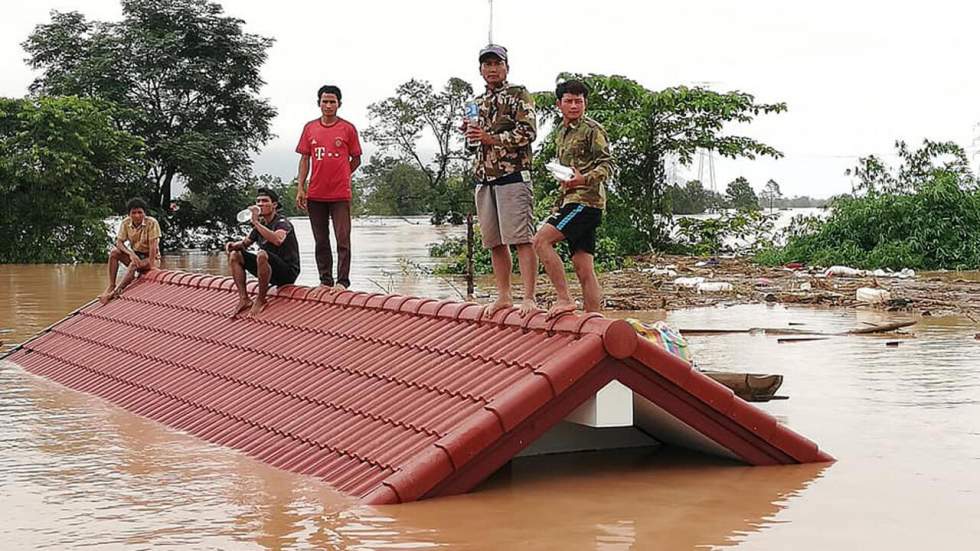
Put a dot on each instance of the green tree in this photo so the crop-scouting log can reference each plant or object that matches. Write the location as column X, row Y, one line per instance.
column 740, row 195
column 923, row 214
column 692, row 198
column 916, row 168
column 771, row 193
column 416, row 112
column 393, row 187
column 63, row 162
column 645, row 127
column 187, row 77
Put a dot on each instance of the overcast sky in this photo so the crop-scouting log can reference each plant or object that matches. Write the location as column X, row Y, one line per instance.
column 857, row 75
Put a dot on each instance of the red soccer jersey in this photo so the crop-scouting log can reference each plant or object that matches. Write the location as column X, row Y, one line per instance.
column 330, row 149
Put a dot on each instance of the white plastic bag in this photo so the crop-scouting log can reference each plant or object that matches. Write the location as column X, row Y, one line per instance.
column 873, row 296
column 714, row 287
column 688, row 281
column 561, row 172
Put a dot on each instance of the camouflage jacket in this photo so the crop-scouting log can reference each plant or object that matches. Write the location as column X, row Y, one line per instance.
column 508, row 114
column 584, row 145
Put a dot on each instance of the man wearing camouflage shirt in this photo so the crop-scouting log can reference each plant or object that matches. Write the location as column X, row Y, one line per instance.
column 502, row 174
column 583, row 146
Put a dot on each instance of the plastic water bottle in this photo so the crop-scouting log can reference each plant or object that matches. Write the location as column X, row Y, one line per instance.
column 472, row 118
column 244, row 215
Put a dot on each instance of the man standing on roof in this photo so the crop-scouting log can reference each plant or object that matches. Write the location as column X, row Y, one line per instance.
column 142, row 232
column 277, row 260
column 503, row 135
column 583, row 146
column 329, row 153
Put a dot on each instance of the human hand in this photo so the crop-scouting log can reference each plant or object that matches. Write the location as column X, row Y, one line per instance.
column 578, row 180
column 475, row 133
column 301, row 199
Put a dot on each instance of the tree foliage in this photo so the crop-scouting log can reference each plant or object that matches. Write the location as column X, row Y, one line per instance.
column 771, row 194
column 416, row 114
column 186, row 78
column 916, row 168
column 63, row 165
column 693, row 198
column 740, row 231
column 645, row 127
column 394, row 187
column 740, row 194
column 924, row 213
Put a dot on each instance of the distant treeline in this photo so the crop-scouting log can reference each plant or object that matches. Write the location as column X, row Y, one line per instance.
column 693, row 198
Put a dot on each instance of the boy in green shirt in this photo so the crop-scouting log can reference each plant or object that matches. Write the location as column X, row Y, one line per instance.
column 583, row 146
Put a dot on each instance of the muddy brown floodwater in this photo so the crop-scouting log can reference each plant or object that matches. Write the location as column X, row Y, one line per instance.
column 904, row 424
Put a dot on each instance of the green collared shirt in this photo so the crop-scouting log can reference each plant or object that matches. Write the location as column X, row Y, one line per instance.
column 583, row 144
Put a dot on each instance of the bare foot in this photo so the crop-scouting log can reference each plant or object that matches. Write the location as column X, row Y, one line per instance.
column 498, row 305
column 105, row 297
column 561, row 307
column 528, row 307
column 257, row 307
column 243, row 304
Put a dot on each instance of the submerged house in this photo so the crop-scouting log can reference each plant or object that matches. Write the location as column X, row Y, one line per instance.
column 391, row 398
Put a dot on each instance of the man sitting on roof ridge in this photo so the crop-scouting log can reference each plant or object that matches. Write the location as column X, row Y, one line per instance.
column 277, row 260
column 142, row 232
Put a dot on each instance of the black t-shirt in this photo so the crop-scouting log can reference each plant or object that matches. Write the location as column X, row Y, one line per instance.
column 289, row 250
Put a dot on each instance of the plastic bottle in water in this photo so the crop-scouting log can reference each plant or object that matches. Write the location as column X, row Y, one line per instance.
column 472, row 118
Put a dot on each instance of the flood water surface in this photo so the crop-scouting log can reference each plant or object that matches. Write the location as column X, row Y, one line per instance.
column 903, row 422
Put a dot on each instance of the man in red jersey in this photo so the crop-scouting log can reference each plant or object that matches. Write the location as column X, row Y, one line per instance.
column 330, row 152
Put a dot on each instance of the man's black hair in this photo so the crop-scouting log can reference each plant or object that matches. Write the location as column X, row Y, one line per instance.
column 573, row 87
column 268, row 193
column 136, row 203
column 327, row 89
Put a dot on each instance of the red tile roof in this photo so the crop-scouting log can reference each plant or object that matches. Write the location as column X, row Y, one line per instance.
column 387, row 398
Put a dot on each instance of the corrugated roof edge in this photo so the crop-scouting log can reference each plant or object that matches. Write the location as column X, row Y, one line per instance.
column 770, row 438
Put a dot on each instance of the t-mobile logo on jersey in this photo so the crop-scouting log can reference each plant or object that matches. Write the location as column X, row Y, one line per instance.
column 318, row 153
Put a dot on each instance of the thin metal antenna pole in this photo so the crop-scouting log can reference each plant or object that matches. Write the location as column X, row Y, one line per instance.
column 490, row 28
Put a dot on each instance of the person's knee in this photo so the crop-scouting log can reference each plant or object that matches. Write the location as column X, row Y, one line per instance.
column 582, row 262
column 546, row 238
column 236, row 257
column 540, row 242
column 262, row 258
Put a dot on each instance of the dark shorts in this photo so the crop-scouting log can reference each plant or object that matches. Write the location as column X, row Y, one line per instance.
column 578, row 224
column 282, row 273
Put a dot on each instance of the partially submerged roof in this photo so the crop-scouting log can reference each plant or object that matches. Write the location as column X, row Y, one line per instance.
column 387, row 398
